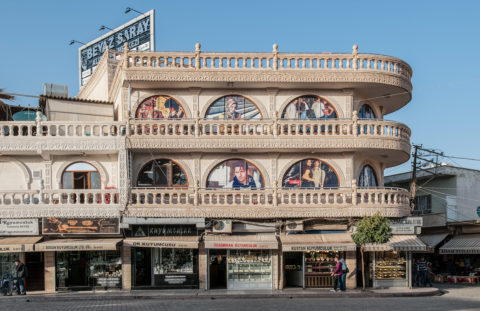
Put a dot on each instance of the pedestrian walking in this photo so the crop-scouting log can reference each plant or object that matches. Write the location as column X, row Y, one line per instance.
column 20, row 274
column 337, row 275
column 430, row 275
column 345, row 271
column 422, row 271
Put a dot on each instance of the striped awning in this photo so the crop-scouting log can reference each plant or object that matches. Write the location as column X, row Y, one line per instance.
column 250, row 241
column 462, row 244
column 398, row 243
column 432, row 240
column 18, row 244
column 317, row 242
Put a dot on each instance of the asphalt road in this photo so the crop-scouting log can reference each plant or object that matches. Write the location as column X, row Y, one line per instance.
column 458, row 299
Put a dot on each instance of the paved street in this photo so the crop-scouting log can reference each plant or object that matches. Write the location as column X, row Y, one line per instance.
column 455, row 298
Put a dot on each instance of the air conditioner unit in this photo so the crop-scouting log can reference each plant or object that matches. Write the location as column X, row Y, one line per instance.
column 294, row 225
column 222, row 226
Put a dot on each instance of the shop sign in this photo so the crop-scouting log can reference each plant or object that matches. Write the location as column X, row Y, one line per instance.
column 402, row 229
column 164, row 230
column 240, row 245
column 413, row 221
column 310, row 248
column 108, row 282
column 16, row 248
column 160, row 244
column 19, row 226
column 85, row 246
column 175, row 279
column 54, row 225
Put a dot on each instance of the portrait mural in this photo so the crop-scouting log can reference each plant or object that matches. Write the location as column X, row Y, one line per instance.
column 159, row 107
column 235, row 174
column 309, row 108
column 233, row 107
column 310, row 173
column 367, row 177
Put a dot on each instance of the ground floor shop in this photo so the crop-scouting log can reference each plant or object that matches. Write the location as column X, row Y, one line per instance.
column 242, row 262
column 309, row 259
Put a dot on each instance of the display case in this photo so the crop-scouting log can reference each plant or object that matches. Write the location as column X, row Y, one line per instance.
column 6, row 263
column 390, row 269
column 105, row 269
column 174, row 268
column 249, row 269
column 319, row 266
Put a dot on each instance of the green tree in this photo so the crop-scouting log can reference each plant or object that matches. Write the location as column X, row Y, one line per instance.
column 373, row 229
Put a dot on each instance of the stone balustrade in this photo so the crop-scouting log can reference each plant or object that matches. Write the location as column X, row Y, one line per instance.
column 62, row 129
column 291, row 198
column 274, row 61
column 90, row 197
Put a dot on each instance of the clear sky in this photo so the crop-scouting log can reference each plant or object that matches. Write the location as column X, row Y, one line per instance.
column 439, row 39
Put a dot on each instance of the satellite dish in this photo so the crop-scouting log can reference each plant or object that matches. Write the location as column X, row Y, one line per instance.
column 27, row 115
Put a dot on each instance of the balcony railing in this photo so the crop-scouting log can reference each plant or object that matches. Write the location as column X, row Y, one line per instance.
column 339, row 197
column 267, row 128
column 59, row 197
column 199, row 60
column 62, row 129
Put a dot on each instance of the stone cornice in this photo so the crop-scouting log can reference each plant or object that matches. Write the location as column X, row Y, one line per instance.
column 60, row 211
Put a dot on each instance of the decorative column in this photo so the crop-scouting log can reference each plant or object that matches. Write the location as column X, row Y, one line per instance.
column 123, row 175
column 348, row 102
column 49, row 261
column 202, row 267
column 351, row 261
column 272, row 96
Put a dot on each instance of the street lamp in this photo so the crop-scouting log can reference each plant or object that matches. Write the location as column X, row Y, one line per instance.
column 128, row 9
column 103, row 27
column 75, row 41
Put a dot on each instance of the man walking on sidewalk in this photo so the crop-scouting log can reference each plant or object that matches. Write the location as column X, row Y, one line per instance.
column 20, row 275
column 337, row 275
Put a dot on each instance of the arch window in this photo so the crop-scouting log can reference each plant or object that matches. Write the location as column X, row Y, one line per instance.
column 162, row 173
column 366, row 112
column 310, row 173
column 81, row 175
column 235, row 174
column 309, row 107
column 233, row 107
column 367, row 177
column 159, row 107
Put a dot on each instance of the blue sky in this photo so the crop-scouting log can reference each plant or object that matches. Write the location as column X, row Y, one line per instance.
column 439, row 39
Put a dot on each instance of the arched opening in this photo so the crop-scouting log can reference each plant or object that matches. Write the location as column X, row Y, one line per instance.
column 159, row 107
column 235, row 174
column 81, row 175
column 367, row 178
column 309, row 107
column 310, row 173
column 162, row 173
column 366, row 112
column 233, row 107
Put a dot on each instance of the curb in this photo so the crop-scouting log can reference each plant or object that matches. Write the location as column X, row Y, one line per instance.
column 213, row 296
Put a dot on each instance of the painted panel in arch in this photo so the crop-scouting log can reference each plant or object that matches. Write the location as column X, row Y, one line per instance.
column 310, row 173
column 233, row 108
column 309, row 108
column 236, row 174
column 160, row 107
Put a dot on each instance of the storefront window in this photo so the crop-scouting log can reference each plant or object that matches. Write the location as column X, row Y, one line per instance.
column 170, row 260
column 235, row 174
column 233, row 107
column 159, row 107
column 390, row 265
column 162, row 173
column 249, row 269
column 6, row 263
column 309, row 108
column 319, row 266
column 367, row 177
column 87, row 269
column 310, row 173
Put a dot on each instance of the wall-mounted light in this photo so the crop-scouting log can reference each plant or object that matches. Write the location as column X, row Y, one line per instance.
column 103, row 27
column 75, row 41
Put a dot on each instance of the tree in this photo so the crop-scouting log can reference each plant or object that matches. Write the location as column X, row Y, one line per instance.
column 373, row 229
column 3, row 106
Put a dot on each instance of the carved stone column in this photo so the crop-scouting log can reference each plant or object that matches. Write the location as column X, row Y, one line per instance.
column 123, row 174
column 348, row 102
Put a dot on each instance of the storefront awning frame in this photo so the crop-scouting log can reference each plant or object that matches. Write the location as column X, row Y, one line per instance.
column 462, row 244
column 408, row 242
column 432, row 240
column 163, row 242
column 250, row 241
column 65, row 245
column 18, row 244
column 317, row 242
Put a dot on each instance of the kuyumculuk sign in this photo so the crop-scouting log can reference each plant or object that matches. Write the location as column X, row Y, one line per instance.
column 139, row 33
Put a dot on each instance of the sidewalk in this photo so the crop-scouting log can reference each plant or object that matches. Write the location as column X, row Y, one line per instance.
column 224, row 294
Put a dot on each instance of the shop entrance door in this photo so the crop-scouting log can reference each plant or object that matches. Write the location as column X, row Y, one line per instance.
column 218, row 269
column 36, row 273
column 143, row 266
column 293, row 269
column 77, row 269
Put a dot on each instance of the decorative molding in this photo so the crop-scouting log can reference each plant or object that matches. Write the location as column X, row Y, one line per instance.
column 23, row 168
column 38, row 211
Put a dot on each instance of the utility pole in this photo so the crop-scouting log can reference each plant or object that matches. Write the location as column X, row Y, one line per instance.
column 413, row 183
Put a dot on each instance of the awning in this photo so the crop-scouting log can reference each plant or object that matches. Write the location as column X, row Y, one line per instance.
column 462, row 244
column 266, row 241
column 18, row 244
column 78, row 245
column 163, row 242
column 317, row 242
column 399, row 243
column 432, row 240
